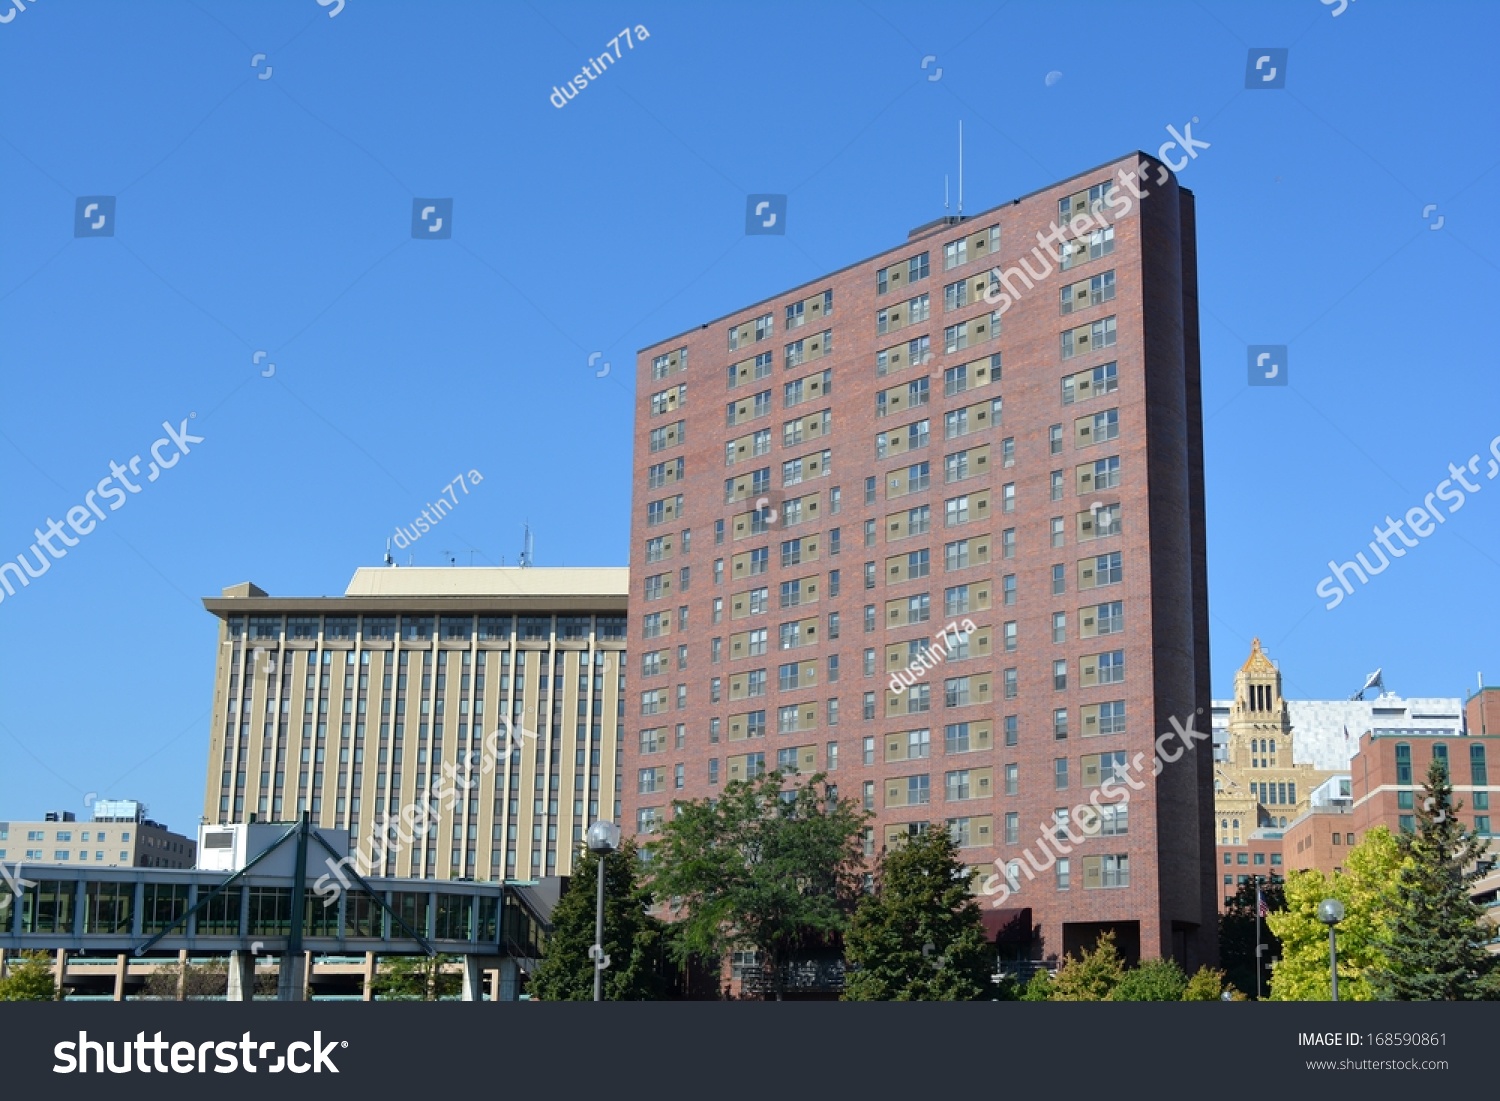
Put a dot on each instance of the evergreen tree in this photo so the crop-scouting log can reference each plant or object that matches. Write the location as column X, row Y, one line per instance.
column 29, row 980
column 633, row 939
column 1092, row 976
column 919, row 936
column 1237, row 934
column 1366, row 887
column 1436, row 950
column 1159, row 980
column 761, row 868
column 1206, row 985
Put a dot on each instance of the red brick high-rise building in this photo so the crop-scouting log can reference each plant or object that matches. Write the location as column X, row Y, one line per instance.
column 933, row 524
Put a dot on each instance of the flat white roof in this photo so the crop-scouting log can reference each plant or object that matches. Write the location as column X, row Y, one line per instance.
column 533, row 581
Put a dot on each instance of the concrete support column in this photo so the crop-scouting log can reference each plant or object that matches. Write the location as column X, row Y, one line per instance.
column 182, row 966
column 122, row 968
column 60, row 970
column 509, row 980
column 291, row 977
column 473, row 980
column 495, row 985
column 369, row 977
column 4, row 963
column 241, row 977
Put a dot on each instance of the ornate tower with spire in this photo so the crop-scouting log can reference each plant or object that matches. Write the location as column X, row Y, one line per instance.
column 1259, row 785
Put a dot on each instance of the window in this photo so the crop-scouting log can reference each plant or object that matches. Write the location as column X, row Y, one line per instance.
column 1088, row 338
column 1009, row 634
column 1008, row 588
column 1106, row 871
column 956, row 786
column 1099, row 243
column 1008, row 679
column 868, row 747
column 955, row 600
column 1060, row 675
column 1012, row 828
column 1060, row 721
column 1478, row 769
column 1104, row 569
column 1012, row 779
column 1403, row 763
column 1112, row 667
column 1060, row 773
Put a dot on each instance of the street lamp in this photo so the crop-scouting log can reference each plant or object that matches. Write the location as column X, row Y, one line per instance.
column 1330, row 913
column 603, row 839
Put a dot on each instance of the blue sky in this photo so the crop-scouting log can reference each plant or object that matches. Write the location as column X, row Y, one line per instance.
column 265, row 205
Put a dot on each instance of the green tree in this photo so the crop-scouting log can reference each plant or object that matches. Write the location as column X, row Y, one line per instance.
column 1237, row 934
column 633, row 939
column 761, row 868
column 1206, row 985
column 1436, row 951
column 1038, row 987
column 417, row 978
column 198, row 981
column 1159, row 980
column 1092, row 976
column 919, row 937
column 29, row 980
column 1367, row 888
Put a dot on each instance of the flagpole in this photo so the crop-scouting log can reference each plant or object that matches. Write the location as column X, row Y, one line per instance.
column 1256, row 880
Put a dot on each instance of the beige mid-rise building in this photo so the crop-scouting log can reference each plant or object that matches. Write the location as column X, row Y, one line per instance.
column 1258, row 783
column 118, row 836
column 359, row 709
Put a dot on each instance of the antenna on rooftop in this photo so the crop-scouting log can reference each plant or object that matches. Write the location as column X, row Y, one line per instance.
column 960, row 168
column 389, row 561
column 527, row 546
column 945, row 194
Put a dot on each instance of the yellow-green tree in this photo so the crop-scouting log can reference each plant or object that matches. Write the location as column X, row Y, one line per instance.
column 1091, row 976
column 1367, row 888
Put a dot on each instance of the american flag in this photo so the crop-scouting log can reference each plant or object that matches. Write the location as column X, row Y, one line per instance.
column 1260, row 903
